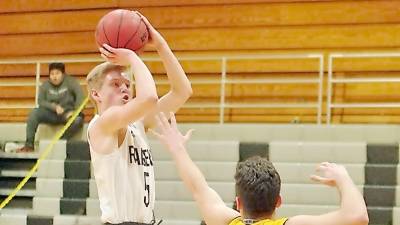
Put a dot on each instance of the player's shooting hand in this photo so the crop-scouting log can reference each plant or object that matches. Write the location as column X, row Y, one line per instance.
column 155, row 38
column 118, row 56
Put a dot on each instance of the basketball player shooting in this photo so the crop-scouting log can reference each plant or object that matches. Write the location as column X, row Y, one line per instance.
column 121, row 159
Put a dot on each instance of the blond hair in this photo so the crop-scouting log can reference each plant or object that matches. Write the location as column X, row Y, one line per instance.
column 96, row 76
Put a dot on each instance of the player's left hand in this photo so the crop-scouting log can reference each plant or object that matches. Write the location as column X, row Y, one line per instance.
column 118, row 56
column 155, row 38
column 169, row 134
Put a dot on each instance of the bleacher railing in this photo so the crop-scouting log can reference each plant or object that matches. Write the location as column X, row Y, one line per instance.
column 222, row 105
column 332, row 81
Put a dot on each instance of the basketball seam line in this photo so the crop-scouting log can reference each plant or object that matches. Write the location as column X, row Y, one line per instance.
column 134, row 34
column 105, row 34
column 119, row 26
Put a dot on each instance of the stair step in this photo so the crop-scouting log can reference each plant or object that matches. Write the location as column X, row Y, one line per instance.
column 225, row 151
column 15, row 173
column 49, row 206
column 213, row 171
column 316, row 152
column 373, row 133
column 76, row 220
column 299, row 173
column 18, row 203
column 175, row 190
column 381, row 215
column 16, row 211
column 288, row 210
column 21, row 155
column 13, row 219
column 51, row 168
column 23, row 192
column 78, row 150
column 12, row 182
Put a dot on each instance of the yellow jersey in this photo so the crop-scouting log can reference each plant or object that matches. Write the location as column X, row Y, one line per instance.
column 238, row 221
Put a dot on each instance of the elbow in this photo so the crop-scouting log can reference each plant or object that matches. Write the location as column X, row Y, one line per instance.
column 150, row 102
column 186, row 93
column 363, row 219
column 189, row 92
column 183, row 90
column 360, row 218
column 199, row 193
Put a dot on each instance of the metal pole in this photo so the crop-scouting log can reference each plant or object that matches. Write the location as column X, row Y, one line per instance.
column 320, row 88
column 329, row 89
column 222, row 94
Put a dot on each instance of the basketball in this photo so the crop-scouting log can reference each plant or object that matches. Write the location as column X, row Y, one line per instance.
column 122, row 29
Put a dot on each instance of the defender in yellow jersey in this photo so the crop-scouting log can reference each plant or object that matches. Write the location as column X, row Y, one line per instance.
column 240, row 221
column 258, row 189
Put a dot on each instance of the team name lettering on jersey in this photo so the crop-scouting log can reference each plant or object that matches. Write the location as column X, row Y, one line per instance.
column 141, row 156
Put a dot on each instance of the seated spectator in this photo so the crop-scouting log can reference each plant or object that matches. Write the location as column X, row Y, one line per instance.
column 59, row 96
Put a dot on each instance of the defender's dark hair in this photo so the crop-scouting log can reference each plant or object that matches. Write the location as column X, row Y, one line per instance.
column 258, row 185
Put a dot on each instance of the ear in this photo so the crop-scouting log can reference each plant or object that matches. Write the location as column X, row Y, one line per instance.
column 95, row 95
column 278, row 202
column 238, row 203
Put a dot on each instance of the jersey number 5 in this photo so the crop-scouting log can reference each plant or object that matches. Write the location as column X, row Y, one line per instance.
column 146, row 188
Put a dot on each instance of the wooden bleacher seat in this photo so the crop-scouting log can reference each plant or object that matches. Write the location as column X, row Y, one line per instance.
column 219, row 28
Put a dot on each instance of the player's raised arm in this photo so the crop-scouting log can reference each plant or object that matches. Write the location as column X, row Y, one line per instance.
column 213, row 209
column 352, row 211
column 180, row 87
column 115, row 91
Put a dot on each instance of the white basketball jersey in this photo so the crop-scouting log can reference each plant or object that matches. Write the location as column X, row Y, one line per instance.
column 125, row 178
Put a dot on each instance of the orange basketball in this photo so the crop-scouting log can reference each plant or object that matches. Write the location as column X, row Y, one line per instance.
column 122, row 29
